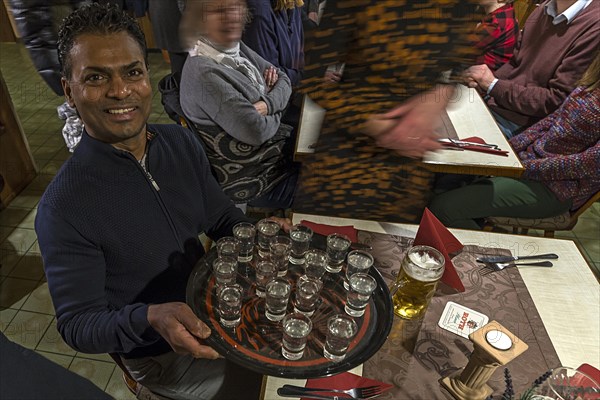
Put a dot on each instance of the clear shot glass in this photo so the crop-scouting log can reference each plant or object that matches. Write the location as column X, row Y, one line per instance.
column 296, row 328
column 301, row 237
column 277, row 297
column 337, row 248
column 341, row 329
column 245, row 232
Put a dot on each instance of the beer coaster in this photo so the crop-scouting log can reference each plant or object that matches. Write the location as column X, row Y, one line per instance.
column 461, row 320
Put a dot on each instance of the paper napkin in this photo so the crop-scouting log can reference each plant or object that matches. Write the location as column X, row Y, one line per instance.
column 590, row 371
column 345, row 380
column 433, row 233
column 325, row 230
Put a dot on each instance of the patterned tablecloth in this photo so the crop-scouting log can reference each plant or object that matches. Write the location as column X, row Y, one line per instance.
column 417, row 354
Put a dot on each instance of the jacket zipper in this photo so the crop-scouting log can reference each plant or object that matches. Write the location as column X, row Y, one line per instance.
column 151, row 180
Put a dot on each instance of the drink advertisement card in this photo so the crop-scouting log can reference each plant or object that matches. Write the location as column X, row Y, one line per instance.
column 461, row 320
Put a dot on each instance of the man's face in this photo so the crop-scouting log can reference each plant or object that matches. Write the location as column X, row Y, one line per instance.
column 109, row 86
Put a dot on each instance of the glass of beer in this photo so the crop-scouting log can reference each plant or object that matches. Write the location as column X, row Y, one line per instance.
column 421, row 269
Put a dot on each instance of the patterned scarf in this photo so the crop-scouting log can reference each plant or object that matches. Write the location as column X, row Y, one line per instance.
column 230, row 58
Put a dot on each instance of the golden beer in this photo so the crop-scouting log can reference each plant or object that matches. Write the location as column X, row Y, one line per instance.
column 421, row 269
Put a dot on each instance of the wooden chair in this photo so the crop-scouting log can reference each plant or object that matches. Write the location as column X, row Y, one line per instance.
column 563, row 222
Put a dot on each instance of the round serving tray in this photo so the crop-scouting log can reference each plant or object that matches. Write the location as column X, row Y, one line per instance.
column 256, row 343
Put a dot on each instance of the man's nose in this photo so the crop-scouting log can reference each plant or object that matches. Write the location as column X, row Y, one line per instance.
column 119, row 88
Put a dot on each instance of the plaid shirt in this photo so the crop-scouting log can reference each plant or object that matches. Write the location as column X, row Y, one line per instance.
column 496, row 37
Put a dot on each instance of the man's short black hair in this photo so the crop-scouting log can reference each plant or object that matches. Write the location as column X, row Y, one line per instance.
column 95, row 18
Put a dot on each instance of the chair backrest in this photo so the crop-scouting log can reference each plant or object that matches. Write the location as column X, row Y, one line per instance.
column 168, row 87
column 575, row 214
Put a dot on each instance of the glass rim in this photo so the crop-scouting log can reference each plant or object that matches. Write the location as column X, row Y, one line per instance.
column 281, row 237
column 344, row 317
column 227, row 239
column 263, row 262
column 267, row 221
column 438, row 254
column 230, row 285
column 361, row 252
column 335, row 234
column 299, row 315
column 575, row 371
column 244, row 223
column 279, row 279
column 300, row 226
column 228, row 259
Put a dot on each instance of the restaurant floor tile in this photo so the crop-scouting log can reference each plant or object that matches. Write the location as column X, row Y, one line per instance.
column 28, row 328
column 26, row 312
column 99, row 372
column 52, row 342
column 60, row 359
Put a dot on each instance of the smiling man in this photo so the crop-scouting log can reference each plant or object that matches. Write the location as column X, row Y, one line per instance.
column 118, row 226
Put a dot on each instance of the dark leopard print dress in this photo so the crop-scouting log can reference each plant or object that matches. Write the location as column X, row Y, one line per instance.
column 392, row 50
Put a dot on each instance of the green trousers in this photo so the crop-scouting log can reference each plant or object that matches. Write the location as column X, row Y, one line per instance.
column 466, row 207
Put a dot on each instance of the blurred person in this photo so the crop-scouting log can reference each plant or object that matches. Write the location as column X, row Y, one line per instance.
column 118, row 226
column 557, row 44
column 310, row 14
column 276, row 34
column 235, row 100
column 382, row 114
column 561, row 156
column 496, row 35
column 165, row 16
column 35, row 20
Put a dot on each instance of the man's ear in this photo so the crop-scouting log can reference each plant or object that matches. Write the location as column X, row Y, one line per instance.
column 68, row 93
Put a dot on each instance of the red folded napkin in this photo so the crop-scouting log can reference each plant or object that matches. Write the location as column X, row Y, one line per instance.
column 325, row 230
column 433, row 233
column 344, row 381
column 476, row 139
column 590, row 371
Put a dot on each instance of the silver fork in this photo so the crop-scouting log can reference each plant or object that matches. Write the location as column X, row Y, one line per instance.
column 366, row 392
column 493, row 267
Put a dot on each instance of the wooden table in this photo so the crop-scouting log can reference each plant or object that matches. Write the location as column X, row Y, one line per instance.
column 469, row 117
column 567, row 296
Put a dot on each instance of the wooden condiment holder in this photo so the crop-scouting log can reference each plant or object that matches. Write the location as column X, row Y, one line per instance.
column 494, row 345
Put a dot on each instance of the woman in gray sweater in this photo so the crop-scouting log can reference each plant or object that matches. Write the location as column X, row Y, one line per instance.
column 235, row 99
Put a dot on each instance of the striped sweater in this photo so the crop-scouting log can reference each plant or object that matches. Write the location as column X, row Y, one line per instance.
column 563, row 149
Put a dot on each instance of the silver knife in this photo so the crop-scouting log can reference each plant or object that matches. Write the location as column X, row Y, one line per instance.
column 502, row 259
column 296, row 393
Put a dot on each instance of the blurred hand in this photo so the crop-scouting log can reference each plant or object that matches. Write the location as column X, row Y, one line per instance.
column 479, row 76
column 409, row 129
column 271, row 77
column 261, row 107
column 284, row 223
column 332, row 76
column 179, row 326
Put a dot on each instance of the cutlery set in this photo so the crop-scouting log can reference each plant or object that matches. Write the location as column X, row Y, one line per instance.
column 498, row 263
column 367, row 392
column 463, row 143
